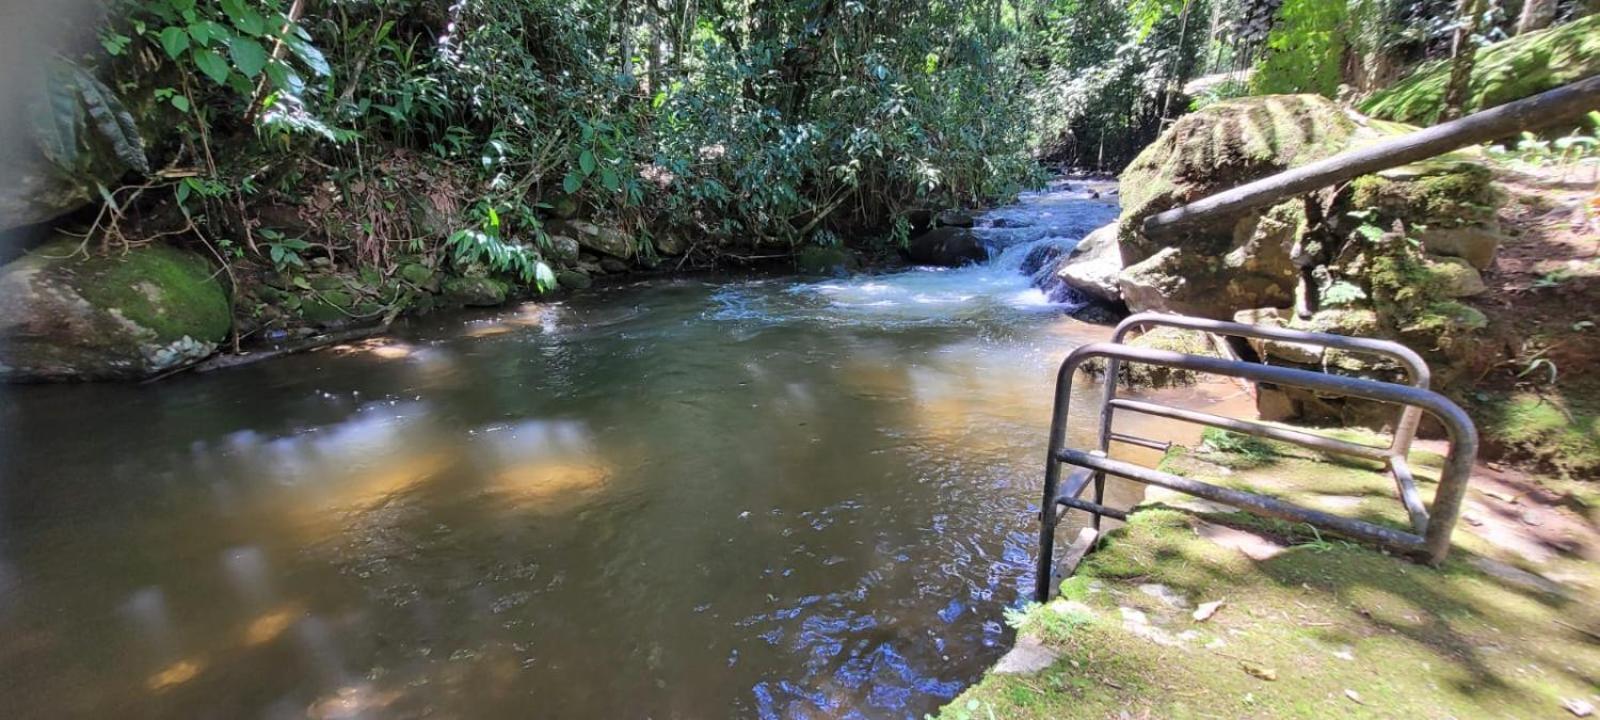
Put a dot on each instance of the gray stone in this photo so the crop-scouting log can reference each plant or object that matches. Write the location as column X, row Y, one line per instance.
column 1473, row 243
column 670, row 243
column 1094, row 264
column 563, row 249
column 598, row 238
column 613, row 265
column 573, row 280
column 1030, row 655
column 1255, row 270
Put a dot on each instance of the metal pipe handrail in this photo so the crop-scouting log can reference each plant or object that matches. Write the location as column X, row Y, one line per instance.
column 1416, row 368
column 1432, row 537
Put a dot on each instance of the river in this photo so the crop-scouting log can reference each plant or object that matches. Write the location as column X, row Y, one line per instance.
column 748, row 497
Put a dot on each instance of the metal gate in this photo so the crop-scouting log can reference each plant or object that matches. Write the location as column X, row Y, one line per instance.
column 1429, row 538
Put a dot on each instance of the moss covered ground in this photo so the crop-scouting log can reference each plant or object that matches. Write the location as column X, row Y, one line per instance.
column 1309, row 626
column 1515, row 69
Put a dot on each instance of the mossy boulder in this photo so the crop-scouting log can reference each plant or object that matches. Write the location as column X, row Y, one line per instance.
column 1517, row 68
column 119, row 316
column 573, row 280
column 1237, row 263
column 1222, row 146
column 475, row 291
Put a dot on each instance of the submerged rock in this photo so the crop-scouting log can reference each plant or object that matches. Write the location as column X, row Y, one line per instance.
column 946, row 246
column 113, row 317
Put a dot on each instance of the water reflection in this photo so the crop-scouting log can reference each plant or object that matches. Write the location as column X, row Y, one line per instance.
column 729, row 500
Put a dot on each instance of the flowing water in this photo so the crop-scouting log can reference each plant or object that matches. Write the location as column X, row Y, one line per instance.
column 744, row 498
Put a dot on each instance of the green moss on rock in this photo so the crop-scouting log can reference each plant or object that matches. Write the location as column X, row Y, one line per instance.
column 122, row 315
column 1227, row 144
column 1517, row 68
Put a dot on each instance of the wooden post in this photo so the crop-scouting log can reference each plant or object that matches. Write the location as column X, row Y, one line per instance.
column 1545, row 109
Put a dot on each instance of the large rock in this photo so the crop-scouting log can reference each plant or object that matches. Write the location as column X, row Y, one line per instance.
column 947, row 246
column 1093, row 266
column 1220, row 147
column 1476, row 244
column 597, row 238
column 1254, row 270
column 121, row 316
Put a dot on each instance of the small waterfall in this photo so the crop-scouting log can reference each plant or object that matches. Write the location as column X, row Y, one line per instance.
column 1031, row 236
column 1023, row 239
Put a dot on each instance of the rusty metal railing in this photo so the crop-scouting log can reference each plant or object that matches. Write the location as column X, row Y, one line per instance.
column 1429, row 537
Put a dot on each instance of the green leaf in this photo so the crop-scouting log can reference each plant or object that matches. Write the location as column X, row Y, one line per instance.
column 212, row 65
column 180, row 102
column 308, row 54
column 201, row 32
column 608, row 178
column 248, row 56
column 586, row 162
column 174, row 40
column 300, row 282
column 113, row 121
column 181, row 5
column 572, row 182
column 243, row 17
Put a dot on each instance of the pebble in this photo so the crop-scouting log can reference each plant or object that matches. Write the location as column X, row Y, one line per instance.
column 1580, row 708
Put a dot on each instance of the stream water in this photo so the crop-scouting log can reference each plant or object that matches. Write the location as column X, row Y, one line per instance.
column 746, row 498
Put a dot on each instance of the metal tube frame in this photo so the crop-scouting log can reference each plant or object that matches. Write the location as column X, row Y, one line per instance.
column 1430, row 538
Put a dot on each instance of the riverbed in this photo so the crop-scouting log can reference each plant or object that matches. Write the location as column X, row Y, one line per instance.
column 742, row 497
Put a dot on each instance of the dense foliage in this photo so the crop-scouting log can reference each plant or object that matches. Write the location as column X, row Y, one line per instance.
column 458, row 129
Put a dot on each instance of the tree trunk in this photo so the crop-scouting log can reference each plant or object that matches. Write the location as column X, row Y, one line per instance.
column 625, row 28
column 1463, row 55
column 1542, row 110
column 1536, row 15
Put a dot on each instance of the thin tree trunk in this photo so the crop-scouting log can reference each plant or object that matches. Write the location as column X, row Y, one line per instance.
column 1463, row 55
column 1536, row 15
column 625, row 28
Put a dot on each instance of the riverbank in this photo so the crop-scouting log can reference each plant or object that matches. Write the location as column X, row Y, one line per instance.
column 1194, row 610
